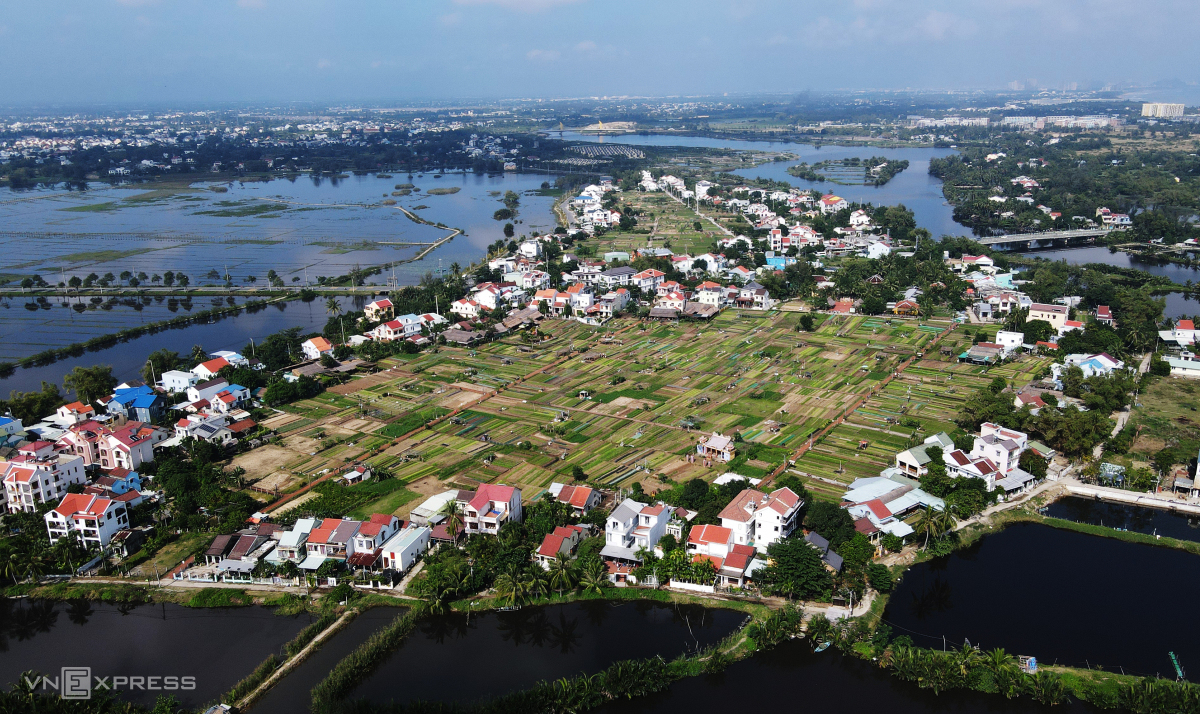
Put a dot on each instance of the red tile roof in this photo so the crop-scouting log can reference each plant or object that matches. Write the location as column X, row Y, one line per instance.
column 710, row 534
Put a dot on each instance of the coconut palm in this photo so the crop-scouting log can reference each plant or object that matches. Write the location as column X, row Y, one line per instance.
column 563, row 574
column 595, row 577
column 512, row 587
column 333, row 307
column 930, row 524
column 537, row 582
column 454, row 520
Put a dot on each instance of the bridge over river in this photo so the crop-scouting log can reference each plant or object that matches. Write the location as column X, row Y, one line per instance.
column 1079, row 238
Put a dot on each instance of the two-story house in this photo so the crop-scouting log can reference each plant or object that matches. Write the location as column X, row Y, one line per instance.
column 631, row 527
column 39, row 474
column 489, row 507
column 759, row 519
column 93, row 518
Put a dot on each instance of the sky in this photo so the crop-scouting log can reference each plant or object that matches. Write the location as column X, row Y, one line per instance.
column 120, row 51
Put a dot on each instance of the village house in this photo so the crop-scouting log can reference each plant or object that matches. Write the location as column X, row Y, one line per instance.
column 139, row 403
column 401, row 552
column 581, row 499
column 632, row 527
column 76, row 413
column 315, row 347
column 716, row 447
column 830, row 203
column 753, row 296
column 379, row 310
column 647, row 280
column 175, row 381
column 1003, row 447
column 489, row 507
column 466, row 309
column 38, row 474
column 758, row 519
column 208, row 370
column 93, row 518
column 1056, row 315
column 563, row 539
column 732, row 561
column 915, row 462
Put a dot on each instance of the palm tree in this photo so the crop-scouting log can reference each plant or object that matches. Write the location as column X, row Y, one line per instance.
column 332, row 307
column 563, row 574
column 595, row 577
column 511, row 587
column 454, row 520
column 930, row 524
column 537, row 582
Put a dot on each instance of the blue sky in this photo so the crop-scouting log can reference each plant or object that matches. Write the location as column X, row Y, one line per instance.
column 86, row 51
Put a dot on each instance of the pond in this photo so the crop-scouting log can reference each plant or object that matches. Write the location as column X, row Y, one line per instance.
column 292, row 693
column 460, row 659
column 792, row 678
column 1155, row 521
column 1062, row 596
column 913, row 187
column 226, row 333
column 216, row 646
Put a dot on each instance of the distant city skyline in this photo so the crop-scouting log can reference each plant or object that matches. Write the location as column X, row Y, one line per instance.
column 114, row 51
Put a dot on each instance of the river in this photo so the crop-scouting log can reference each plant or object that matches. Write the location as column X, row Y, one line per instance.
column 216, row 646
column 226, row 333
column 1062, row 596
column 913, row 187
column 1178, row 304
column 1154, row 521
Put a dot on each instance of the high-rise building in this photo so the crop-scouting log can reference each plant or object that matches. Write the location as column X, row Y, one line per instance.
column 1161, row 110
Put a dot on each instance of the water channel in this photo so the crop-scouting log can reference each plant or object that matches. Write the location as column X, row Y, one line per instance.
column 1064, row 597
column 216, row 646
column 1178, row 304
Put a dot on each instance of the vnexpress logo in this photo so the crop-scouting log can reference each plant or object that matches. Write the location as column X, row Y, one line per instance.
column 76, row 683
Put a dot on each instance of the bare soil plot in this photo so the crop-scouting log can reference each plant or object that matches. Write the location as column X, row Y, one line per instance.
column 281, row 420
column 263, row 461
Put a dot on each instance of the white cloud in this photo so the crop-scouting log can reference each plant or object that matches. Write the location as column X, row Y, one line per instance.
column 542, row 55
column 586, row 46
column 520, row 5
column 940, row 25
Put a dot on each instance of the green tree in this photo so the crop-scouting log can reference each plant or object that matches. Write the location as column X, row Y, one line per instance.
column 90, row 383
column 831, row 521
column 795, row 569
column 159, row 361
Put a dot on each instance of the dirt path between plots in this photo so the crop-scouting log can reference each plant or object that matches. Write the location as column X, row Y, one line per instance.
column 812, row 440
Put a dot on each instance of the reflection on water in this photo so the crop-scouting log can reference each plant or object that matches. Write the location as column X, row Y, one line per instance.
column 1154, row 521
column 508, row 651
column 217, row 646
column 1037, row 590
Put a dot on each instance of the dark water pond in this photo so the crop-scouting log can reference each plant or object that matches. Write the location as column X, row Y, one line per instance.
column 792, row 678
column 1154, row 521
column 292, row 694
column 216, row 646
column 1061, row 596
column 451, row 658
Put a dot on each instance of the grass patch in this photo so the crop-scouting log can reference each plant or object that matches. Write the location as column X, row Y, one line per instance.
column 442, row 191
column 220, row 597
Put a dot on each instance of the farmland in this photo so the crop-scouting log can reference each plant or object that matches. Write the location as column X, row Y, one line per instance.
column 627, row 402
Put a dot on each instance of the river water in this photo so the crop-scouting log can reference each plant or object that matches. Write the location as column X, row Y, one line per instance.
column 451, row 658
column 1155, row 521
column 913, row 187
column 792, row 678
column 1061, row 596
column 218, row 647
column 1178, row 304
column 127, row 358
